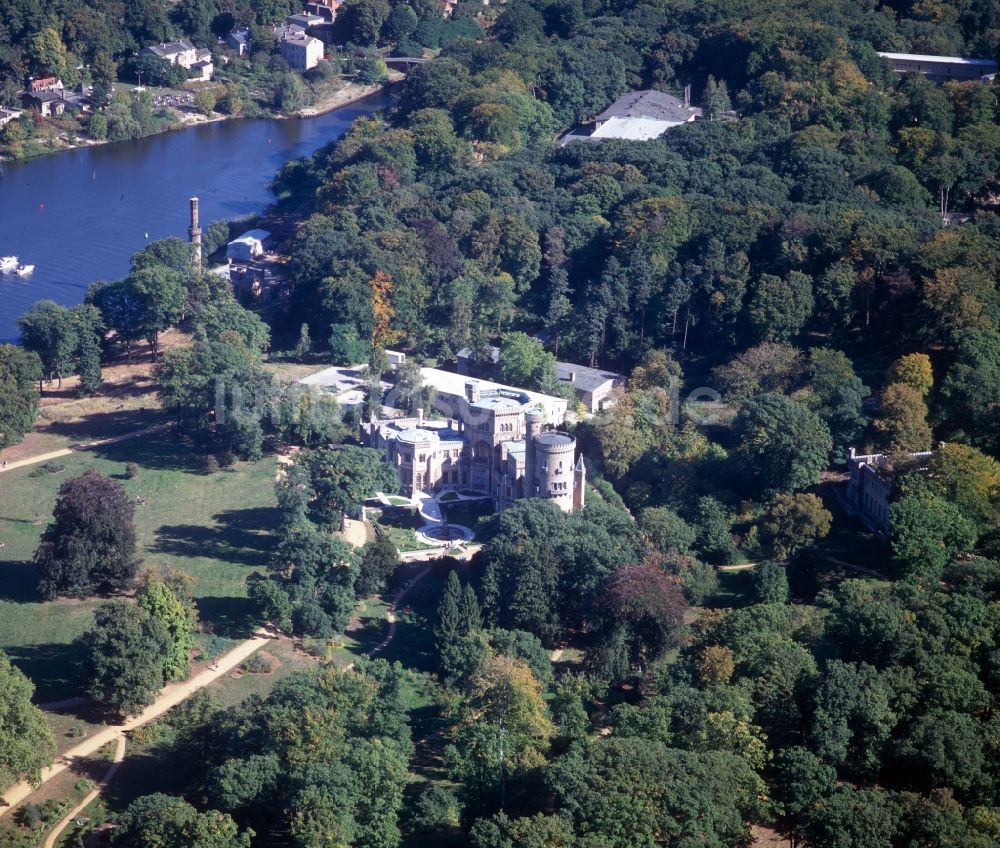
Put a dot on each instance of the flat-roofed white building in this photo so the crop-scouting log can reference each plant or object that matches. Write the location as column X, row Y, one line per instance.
column 637, row 116
column 941, row 68
column 451, row 394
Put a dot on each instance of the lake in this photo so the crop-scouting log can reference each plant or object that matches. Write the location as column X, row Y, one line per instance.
column 78, row 216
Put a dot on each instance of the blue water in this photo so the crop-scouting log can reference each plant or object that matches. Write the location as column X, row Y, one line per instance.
column 78, row 216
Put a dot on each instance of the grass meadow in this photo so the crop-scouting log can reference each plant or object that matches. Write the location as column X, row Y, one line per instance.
column 217, row 528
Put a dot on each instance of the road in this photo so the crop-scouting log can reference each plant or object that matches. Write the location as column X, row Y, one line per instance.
column 170, row 696
column 116, row 761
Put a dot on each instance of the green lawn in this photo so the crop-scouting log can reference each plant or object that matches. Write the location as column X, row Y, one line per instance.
column 216, row 528
column 399, row 526
column 414, row 643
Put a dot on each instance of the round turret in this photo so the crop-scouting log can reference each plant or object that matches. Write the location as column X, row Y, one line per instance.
column 533, row 420
column 555, row 454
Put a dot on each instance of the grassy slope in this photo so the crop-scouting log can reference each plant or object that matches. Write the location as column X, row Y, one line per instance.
column 215, row 528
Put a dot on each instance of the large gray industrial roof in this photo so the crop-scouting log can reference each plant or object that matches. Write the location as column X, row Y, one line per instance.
column 647, row 104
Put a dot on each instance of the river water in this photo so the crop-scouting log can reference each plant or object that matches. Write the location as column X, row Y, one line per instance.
column 78, row 216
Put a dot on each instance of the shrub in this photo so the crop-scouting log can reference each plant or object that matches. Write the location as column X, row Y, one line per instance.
column 131, row 470
column 48, row 468
column 257, row 664
column 436, row 808
column 227, row 459
column 210, row 464
column 31, row 816
column 83, row 786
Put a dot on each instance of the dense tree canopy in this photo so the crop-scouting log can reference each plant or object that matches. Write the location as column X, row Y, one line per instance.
column 778, row 286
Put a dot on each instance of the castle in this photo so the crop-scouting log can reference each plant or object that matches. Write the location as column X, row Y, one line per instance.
column 871, row 484
column 493, row 444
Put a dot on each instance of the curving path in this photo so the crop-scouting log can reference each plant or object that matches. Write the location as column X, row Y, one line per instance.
column 390, row 614
column 170, row 696
column 116, row 761
column 112, row 440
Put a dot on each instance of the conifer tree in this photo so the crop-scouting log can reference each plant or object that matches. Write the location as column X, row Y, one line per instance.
column 448, row 627
column 304, row 346
column 470, row 617
column 560, row 306
column 89, row 365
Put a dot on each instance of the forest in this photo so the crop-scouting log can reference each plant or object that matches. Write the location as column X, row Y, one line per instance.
column 820, row 254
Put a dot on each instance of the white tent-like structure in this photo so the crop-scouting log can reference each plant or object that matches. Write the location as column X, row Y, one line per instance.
column 251, row 245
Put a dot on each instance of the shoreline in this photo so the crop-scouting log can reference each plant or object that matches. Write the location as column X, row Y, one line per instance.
column 348, row 95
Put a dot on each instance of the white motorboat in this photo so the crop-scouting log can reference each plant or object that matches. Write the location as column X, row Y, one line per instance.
column 25, row 270
column 8, row 264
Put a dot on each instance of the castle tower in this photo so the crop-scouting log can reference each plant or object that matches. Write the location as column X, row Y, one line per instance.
column 194, row 233
column 554, row 474
column 533, row 420
column 579, row 485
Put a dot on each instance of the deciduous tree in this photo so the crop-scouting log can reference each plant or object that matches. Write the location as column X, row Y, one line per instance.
column 90, row 546
column 794, row 522
column 902, row 421
column 124, row 655
column 781, row 445
column 26, row 741
column 165, row 821
column 19, row 372
column 928, row 532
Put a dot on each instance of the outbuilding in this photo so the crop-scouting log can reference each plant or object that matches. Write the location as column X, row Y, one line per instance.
column 251, row 245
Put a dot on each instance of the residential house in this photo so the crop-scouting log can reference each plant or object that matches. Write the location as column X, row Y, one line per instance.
column 183, row 53
column 593, row 386
column 301, row 50
column 39, row 84
column 8, row 115
column 638, row 116
column 304, row 20
column 238, row 40
column 941, row 68
column 55, row 102
column 326, row 9
column 204, row 66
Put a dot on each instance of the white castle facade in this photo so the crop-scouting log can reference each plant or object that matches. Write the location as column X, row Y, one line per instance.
column 494, row 443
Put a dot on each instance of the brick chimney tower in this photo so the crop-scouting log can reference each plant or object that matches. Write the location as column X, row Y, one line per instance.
column 194, row 233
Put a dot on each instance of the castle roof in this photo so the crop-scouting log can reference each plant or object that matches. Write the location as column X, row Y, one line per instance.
column 553, row 438
column 500, row 401
column 416, row 435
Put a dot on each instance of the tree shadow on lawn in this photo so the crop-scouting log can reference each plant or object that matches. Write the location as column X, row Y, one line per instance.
column 242, row 537
column 102, row 425
column 55, row 669
column 234, row 618
column 144, row 772
column 413, row 646
column 19, row 582
column 160, row 451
